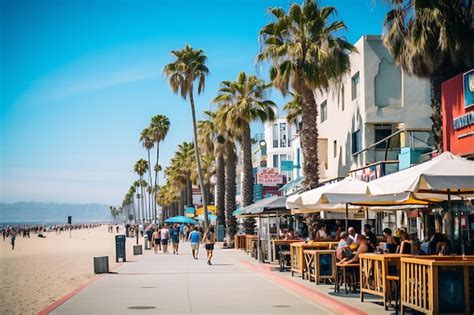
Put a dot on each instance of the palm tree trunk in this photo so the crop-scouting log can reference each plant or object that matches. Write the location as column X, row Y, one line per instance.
column 151, row 183
column 309, row 138
column 247, row 183
column 156, row 178
column 230, row 191
column 220, row 194
column 198, row 160
column 189, row 192
column 182, row 199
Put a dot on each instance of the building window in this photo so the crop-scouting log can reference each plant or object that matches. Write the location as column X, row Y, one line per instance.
column 275, row 135
column 275, row 161
column 324, row 111
column 342, row 98
column 334, row 146
column 289, row 136
column 382, row 132
column 283, row 135
column 355, row 86
column 356, row 145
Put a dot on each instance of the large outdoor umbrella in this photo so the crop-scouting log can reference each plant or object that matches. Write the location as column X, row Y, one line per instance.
column 431, row 181
column 180, row 219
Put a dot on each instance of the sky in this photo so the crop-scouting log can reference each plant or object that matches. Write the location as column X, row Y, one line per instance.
column 80, row 79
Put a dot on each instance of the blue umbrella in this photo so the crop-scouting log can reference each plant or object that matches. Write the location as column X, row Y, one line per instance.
column 180, row 219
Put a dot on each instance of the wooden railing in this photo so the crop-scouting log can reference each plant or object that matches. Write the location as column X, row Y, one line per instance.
column 239, row 242
column 375, row 274
column 437, row 285
column 296, row 252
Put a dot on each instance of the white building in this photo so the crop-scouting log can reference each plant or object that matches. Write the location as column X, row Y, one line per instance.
column 375, row 100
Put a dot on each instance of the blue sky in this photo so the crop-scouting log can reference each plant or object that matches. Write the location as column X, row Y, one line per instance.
column 79, row 80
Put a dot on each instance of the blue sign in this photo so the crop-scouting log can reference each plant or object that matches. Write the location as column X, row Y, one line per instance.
column 469, row 89
column 286, row 165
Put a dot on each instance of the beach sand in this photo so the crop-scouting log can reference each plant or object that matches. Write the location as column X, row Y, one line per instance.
column 41, row 270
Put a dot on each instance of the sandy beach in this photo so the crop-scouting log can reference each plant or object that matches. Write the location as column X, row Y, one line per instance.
column 42, row 270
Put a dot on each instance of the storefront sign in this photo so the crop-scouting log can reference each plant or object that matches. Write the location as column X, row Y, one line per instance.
column 469, row 89
column 286, row 165
column 457, row 102
column 269, row 177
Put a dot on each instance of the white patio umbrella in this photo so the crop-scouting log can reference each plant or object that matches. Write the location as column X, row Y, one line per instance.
column 430, row 181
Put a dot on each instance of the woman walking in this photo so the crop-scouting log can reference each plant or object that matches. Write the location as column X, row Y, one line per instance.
column 209, row 242
column 174, row 232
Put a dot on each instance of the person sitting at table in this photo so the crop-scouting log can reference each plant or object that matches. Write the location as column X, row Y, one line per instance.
column 353, row 238
column 391, row 244
column 290, row 235
column 321, row 234
column 371, row 239
column 343, row 250
column 337, row 232
column 406, row 243
column 362, row 248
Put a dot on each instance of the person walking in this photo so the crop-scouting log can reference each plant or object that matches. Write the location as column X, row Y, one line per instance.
column 13, row 238
column 195, row 238
column 209, row 241
column 175, row 238
column 156, row 240
column 165, row 236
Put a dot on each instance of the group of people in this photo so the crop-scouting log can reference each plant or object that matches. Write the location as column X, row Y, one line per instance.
column 160, row 237
column 25, row 231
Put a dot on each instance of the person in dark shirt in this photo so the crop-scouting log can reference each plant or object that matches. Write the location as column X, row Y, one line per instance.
column 371, row 239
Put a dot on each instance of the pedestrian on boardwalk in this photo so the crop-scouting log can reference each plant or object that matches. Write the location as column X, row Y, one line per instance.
column 156, row 239
column 175, row 238
column 181, row 233
column 195, row 238
column 186, row 233
column 165, row 236
column 209, row 241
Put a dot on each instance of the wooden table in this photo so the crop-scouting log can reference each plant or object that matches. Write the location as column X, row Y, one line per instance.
column 278, row 243
column 314, row 260
column 296, row 252
column 377, row 271
column 437, row 284
column 249, row 243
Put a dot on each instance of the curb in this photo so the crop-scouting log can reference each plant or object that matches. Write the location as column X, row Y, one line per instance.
column 312, row 295
column 48, row 309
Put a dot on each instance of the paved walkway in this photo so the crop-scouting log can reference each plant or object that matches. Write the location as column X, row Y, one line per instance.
column 178, row 284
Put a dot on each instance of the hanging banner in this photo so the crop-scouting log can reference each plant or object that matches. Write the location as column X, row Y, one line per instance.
column 269, row 177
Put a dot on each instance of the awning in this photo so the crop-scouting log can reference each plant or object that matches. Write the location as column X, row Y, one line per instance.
column 294, row 183
column 275, row 204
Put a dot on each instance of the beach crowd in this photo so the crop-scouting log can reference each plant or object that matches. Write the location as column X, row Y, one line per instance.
column 12, row 232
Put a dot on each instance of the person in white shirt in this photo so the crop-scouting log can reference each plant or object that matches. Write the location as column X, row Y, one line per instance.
column 353, row 236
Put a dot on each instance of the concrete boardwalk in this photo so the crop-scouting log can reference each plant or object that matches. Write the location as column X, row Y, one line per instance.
column 177, row 284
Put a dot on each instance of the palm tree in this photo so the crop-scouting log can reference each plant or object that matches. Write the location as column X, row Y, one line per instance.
column 141, row 166
column 229, row 159
column 293, row 109
column 159, row 127
column 190, row 65
column 148, row 143
column 246, row 100
column 212, row 140
column 305, row 54
column 431, row 39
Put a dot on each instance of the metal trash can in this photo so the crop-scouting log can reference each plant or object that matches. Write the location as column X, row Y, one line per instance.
column 147, row 244
column 120, row 251
column 137, row 250
column 101, row 264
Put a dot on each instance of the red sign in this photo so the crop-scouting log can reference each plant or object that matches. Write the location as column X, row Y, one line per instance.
column 269, row 177
column 458, row 119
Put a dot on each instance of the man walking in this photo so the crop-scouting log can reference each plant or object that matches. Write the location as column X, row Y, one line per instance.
column 165, row 236
column 195, row 238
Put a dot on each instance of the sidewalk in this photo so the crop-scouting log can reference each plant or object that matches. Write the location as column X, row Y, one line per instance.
column 178, row 284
